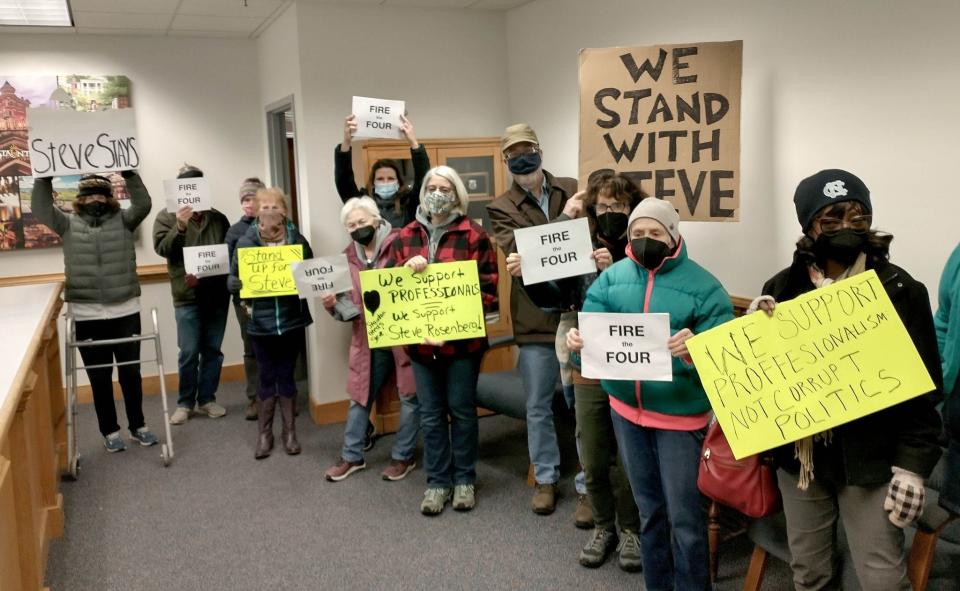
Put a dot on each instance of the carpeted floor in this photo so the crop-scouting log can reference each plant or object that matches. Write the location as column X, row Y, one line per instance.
column 216, row 519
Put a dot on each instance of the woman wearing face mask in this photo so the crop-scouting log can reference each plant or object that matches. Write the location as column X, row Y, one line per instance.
column 370, row 369
column 446, row 372
column 385, row 184
column 659, row 426
column 870, row 471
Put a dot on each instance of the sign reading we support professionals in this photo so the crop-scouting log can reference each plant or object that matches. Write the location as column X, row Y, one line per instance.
column 64, row 142
column 625, row 346
column 194, row 192
column 206, row 261
column 378, row 118
column 441, row 303
column 322, row 274
column 667, row 116
column 825, row 358
column 266, row 270
column 554, row 251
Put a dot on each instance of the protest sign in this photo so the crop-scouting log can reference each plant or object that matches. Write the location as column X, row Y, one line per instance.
column 625, row 346
column 378, row 118
column 194, row 192
column 322, row 274
column 66, row 142
column 441, row 303
column 265, row 270
column 825, row 358
column 554, row 251
column 206, row 261
column 668, row 117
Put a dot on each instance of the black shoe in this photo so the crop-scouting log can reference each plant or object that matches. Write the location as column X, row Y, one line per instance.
column 371, row 437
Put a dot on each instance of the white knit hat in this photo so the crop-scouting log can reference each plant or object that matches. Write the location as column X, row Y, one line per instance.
column 661, row 211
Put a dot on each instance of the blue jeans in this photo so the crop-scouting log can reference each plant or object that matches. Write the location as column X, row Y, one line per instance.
column 449, row 387
column 662, row 468
column 200, row 329
column 381, row 366
column 540, row 370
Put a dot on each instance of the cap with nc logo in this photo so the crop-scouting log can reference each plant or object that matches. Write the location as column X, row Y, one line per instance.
column 826, row 188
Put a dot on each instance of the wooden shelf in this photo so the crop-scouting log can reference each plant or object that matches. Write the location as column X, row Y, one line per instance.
column 147, row 274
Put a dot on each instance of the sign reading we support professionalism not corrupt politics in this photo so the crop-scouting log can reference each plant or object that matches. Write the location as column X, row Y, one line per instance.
column 825, row 358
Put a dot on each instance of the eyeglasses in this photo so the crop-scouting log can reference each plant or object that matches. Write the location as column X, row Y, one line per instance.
column 435, row 188
column 615, row 208
column 859, row 224
column 522, row 152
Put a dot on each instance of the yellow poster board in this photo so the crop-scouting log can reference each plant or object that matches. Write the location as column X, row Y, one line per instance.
column 266, row 270
column 825, row 358
column 441, row 303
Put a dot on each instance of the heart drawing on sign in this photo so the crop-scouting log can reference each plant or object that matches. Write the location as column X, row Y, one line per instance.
column 371, row 300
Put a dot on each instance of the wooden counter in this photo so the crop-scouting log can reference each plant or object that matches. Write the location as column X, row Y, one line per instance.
column 32, row 433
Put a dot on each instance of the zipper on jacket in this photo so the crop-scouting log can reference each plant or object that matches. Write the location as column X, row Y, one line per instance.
column 276, row 314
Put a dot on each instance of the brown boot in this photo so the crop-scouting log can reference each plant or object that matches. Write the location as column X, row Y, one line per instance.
column 252, row 410
column 289, row 430
column 265, row 420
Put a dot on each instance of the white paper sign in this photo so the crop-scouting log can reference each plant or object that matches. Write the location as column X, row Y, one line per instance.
column 194, row 192
column 625, row 346
column 206, row 261
column 555, row 251
column 378, row 117
column 64, row 142
column 318, row 275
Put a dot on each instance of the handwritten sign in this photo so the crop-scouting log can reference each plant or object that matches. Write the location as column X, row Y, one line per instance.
column 626, row 346
column 194, row 192
column 206, row 261
column 66, row 142
column 825, row 358
column 441, row 303
column 378, row 117
column 266, row 270
column 322, row 274
column 667, row 116
column 555, row 251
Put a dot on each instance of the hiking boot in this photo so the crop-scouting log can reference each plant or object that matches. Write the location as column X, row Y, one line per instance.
column 114, row 443
column 144, row 437
column 251, row 413
column 629, row 552
column 463, row 497
column 544, row 498
column 583, row 515
column 342, row 469
column 370, row 438
column 598, row 547
column 398, row 469
column 213, row 410
column 180, row 415
column 434, row 500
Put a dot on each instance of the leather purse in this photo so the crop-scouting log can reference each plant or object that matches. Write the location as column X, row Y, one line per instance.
column 748, row 485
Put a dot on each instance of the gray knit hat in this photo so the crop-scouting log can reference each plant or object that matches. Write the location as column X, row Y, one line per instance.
column 250, row 186
column 661, row 211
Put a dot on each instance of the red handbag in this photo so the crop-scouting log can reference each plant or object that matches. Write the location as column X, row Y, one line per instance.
column 748, row 485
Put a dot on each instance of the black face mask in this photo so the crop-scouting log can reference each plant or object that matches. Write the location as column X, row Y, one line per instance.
column 612, row 225
column 95, row 208
column 364, row 234
column 651, row 253
column 842, row 247
column 524, row 163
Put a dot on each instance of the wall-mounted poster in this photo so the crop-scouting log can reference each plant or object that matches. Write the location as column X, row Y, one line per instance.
column 18, row 228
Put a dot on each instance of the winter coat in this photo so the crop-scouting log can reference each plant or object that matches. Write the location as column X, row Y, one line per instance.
column 399, row 210
column 947, row 322
column 234, row 234
column 169, row 241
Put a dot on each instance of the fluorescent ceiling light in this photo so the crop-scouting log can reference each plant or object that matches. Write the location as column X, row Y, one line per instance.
column 35, row 13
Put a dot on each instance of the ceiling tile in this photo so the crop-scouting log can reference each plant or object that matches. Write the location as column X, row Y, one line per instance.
column 225, row 24
column 431, row 3
column 254, row 8
column 116, row 20
column 38, row 30
column 210, row 34
column 134, row 6
column 499, row 4
column 136, row 32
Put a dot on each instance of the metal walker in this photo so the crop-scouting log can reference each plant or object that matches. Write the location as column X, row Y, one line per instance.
column 72, row 348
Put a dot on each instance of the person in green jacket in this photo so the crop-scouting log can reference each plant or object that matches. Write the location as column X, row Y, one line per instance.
column 659, row 426
column 947, row 323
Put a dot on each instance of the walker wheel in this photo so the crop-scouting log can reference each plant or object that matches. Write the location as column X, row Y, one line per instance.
column 73, row 470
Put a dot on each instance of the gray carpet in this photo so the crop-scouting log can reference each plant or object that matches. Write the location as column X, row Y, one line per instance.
column 218, row 519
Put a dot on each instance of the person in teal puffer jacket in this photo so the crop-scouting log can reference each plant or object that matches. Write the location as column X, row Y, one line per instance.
column 659, row 426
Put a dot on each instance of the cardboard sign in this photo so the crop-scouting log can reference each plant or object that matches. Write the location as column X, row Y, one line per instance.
column 266, row 270
column 322, row 274
column 378, row 117
column 667, row 116
column 66, row 142
column 625, row 346
column 555, row 251
column 206, row 261
column 825, row 358
column 442, row 303
column 194, row 192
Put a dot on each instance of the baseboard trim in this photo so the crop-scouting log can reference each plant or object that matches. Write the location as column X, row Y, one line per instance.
column 151, row 384
column 329, row 413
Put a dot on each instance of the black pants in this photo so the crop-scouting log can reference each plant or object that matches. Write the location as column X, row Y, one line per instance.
column 101, row 380
column 276, row 362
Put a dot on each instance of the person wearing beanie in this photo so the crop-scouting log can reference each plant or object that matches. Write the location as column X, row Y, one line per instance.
column 660, row 426
column 102, row 290
column 200, row 304
column 869, row 472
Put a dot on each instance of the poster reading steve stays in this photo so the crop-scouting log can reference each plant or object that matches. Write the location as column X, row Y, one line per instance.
column 668, row 116
column 67, row 142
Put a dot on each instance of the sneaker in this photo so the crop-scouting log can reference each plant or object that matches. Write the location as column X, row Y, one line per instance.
column 434, row 500
column 253, row 410
column 370, row 438
column 114, row 443
column 598, row 547
column 180, row 416
column 398, row 469
column 342, row 469
column 463, row 497
column 583, row 515
column 213, row 410
column 544, row 498
column 629, row 552
column 144, row 436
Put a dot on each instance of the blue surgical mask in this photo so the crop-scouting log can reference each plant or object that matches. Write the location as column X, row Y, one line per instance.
column 525, row 163
column 386, row 190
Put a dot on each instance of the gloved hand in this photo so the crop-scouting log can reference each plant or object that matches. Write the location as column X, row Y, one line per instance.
column 764, row 302
column 904, row 500
column 234, row 285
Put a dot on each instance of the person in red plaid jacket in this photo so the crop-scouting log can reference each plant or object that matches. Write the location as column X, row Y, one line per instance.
column 446, row 372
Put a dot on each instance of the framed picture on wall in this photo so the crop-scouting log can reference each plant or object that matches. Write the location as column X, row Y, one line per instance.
column 477, row 183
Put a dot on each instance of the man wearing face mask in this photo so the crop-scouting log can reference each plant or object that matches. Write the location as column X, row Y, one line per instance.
column 535, row 197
